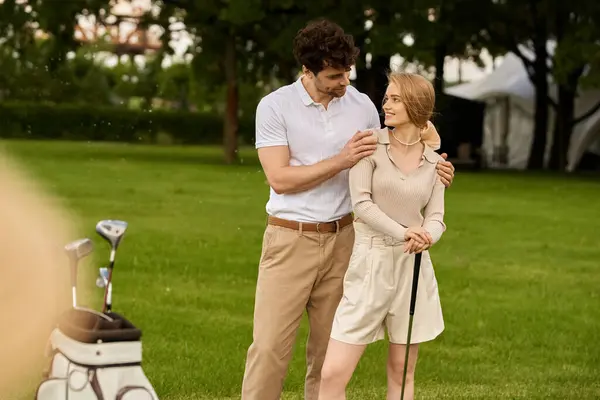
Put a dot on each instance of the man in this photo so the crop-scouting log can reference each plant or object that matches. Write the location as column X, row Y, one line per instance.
column 308, row 134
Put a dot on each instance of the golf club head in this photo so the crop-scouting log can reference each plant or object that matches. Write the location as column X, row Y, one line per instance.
column 112, row 231
column 78, row 249
column 102, row 279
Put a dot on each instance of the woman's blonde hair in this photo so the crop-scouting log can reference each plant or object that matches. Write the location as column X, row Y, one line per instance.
column 417, row 94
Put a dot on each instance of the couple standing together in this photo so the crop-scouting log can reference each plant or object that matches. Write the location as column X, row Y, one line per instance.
column 350, row 203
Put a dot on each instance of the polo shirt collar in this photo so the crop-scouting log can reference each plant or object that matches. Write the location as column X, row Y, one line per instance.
column 306, row 99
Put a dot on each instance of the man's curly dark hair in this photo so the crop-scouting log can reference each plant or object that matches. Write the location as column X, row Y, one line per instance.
column 322, row 43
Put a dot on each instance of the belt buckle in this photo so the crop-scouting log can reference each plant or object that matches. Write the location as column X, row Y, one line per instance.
column 318, row 224
column 388, row 240
column 337, row 226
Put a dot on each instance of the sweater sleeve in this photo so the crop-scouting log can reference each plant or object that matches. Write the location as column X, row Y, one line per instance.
column 360, row 180
column 434, row 211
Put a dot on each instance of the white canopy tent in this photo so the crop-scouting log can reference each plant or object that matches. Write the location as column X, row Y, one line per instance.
column 510, row 113
column 586, row 135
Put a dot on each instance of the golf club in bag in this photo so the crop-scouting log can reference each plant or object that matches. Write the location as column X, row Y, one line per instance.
column 411, row 313
column 75, row 252
column 112, row 231
column 94, row 355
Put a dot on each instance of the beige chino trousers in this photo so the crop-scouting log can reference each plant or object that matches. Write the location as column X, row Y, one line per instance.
column 299, row 270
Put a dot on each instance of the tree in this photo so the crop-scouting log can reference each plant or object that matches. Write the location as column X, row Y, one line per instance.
column 442, row 28
column 35, row 41
column 241, row 42
column 577, row 49
column 524, row 27
column 58, row 19
column 220, row 29
column 423, row 32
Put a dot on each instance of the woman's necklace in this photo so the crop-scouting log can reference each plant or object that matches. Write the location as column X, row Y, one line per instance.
column 404, row 143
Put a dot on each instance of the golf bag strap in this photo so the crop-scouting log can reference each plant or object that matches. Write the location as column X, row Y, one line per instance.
column 95, row 384
column 51, row 354
column 123, row 391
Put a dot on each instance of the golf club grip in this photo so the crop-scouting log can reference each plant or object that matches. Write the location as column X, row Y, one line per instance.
column 415, row 283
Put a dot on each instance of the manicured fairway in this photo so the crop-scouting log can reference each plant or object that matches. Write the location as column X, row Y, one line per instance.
column 518, row 272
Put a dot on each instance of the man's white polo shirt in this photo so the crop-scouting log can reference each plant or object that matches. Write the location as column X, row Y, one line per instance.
column 288, row 116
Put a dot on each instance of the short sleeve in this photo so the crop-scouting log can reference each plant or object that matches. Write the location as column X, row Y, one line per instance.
column 270, row 126
column 374, row 120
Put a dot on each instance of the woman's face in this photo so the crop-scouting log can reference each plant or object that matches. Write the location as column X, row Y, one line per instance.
column 394, row 108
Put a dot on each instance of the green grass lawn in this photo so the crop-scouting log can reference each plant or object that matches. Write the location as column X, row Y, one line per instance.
column 518, row 272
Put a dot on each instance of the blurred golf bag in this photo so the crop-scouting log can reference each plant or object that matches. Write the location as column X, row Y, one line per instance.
column 95, row 357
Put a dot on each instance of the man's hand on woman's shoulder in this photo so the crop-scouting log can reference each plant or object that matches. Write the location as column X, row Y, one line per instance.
column 361, row 145
column 445, row 170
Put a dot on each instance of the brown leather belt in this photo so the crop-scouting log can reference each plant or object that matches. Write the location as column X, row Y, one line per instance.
column 321, row 227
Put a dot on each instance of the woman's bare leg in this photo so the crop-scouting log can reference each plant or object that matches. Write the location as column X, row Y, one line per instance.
column 395, row 371
column 340, row 362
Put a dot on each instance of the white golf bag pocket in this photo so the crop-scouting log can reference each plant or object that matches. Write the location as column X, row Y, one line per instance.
column 53, row 388
column 76, row 386
column 98, row 384
column 103, row 363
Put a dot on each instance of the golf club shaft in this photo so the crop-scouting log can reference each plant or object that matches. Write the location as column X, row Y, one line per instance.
column 74, row 282
column 109, row 297
column 108, row 290
column 411, row 313
column 415, row 283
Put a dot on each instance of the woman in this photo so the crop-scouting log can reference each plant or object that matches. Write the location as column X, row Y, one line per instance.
column 398, row 203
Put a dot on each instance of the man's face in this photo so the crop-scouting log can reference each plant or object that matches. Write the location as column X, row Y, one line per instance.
column 332, row 81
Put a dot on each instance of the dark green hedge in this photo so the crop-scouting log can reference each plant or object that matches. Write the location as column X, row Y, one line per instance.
column 87, row 122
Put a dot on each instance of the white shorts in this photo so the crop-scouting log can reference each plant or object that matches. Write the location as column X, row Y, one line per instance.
column 377, row 289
